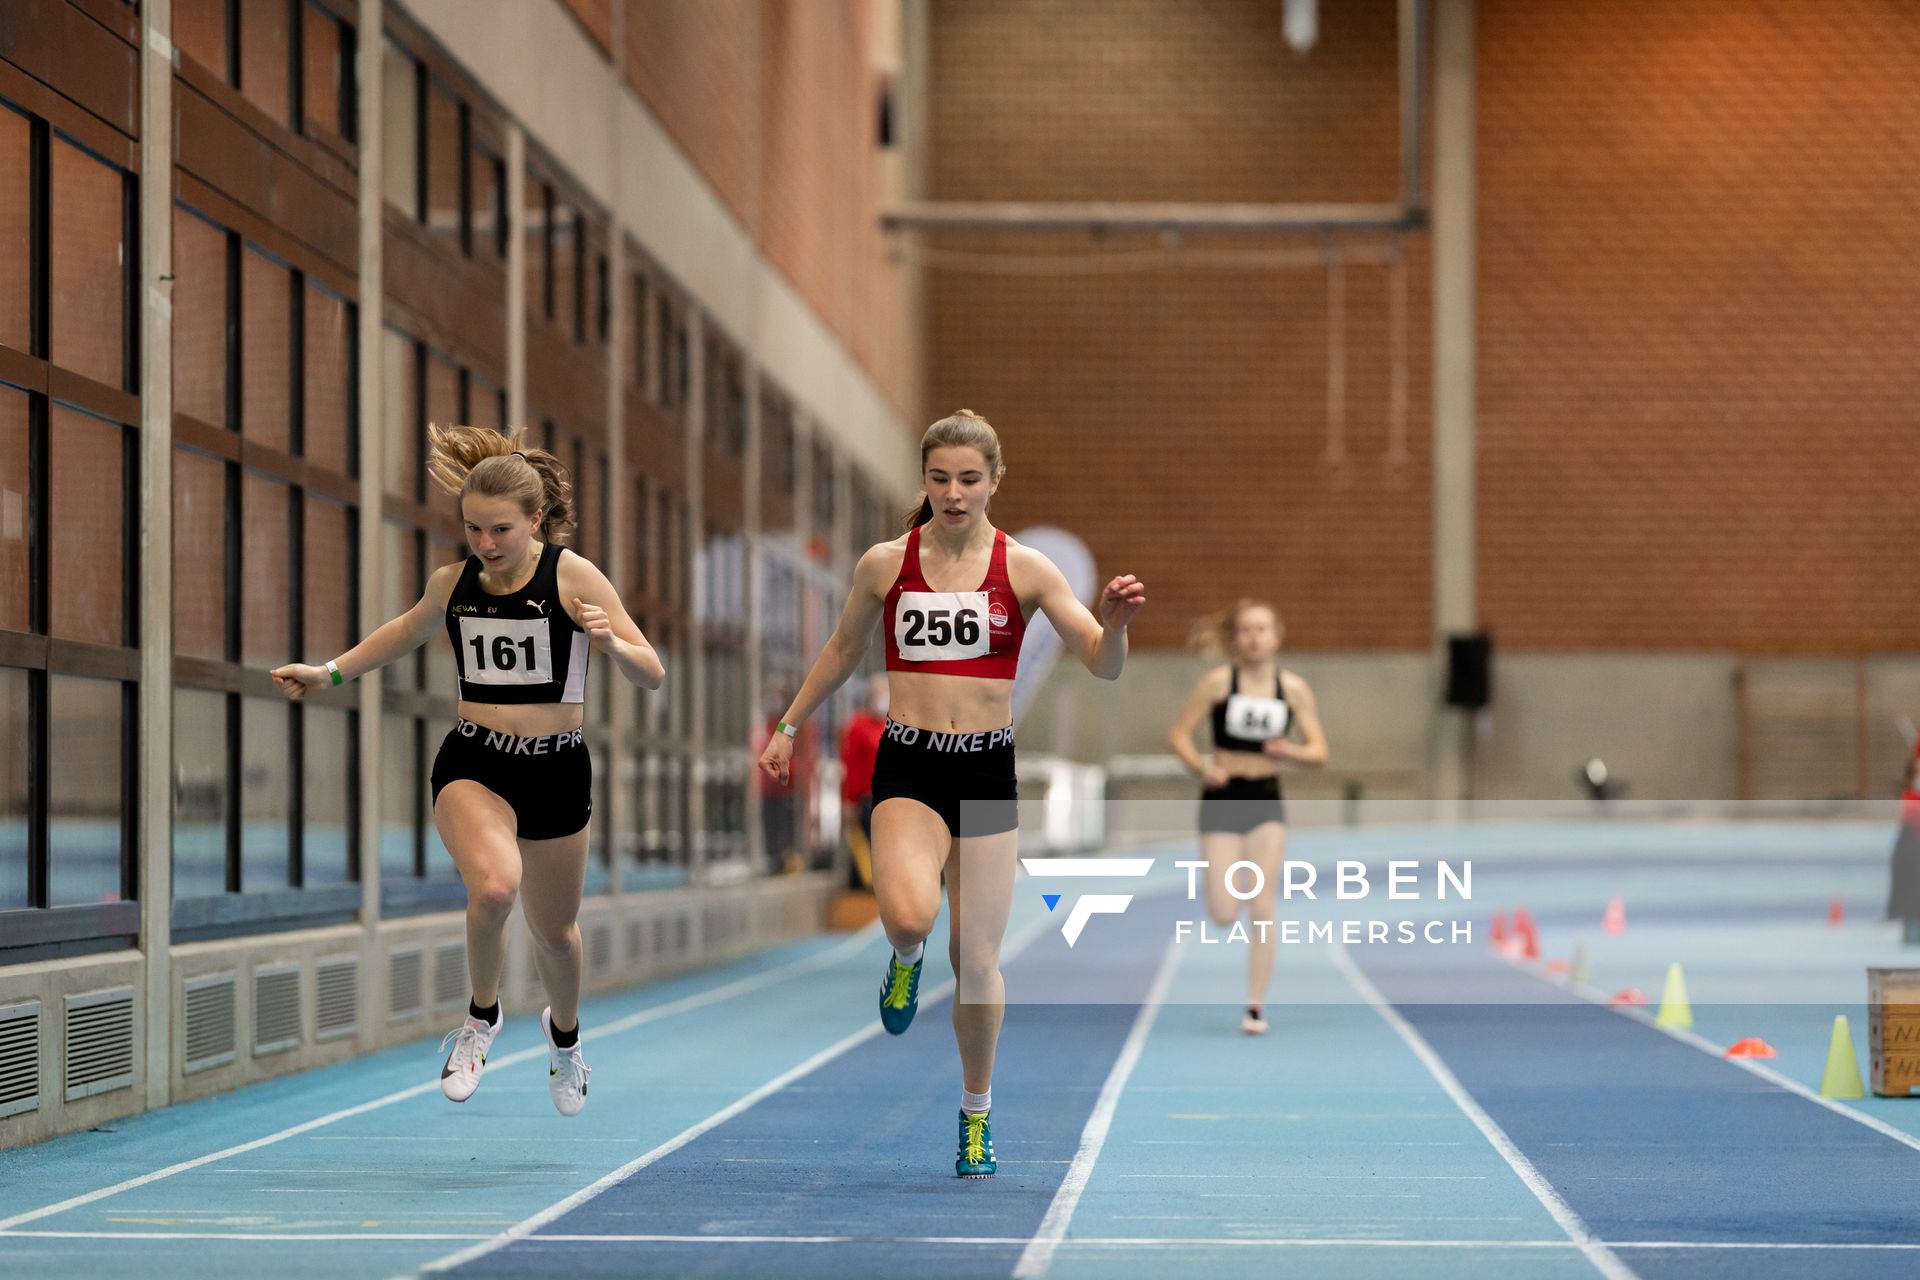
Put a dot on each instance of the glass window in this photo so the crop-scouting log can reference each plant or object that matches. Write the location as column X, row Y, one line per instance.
column 266, row 349
column 323, row 77
column 641, row 525
column 266, row 791
column 328, row 377
column 266, row 43
column 443, row 396
column 266, row 561
column 400, row 114
column 199, row 318
column 15, row 733
column 328, row 837
column 16, row 559
column 326, row 573
column 400, row 778
column 488, row 210
column 398, row 405
column 16, row 230
column 637, row 370
column 84, row 836
column 199, row 793
column 446, row 202
column 89, row 295
column 88, row 519
column 200, row 31
column 199, row 555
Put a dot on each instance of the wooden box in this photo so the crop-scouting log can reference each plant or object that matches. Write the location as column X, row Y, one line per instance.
column 1893, row 1031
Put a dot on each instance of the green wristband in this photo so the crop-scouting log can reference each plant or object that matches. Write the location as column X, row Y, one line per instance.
column 333, row 669
column 791, row 730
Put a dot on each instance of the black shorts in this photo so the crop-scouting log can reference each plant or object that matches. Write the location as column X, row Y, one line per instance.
column 547, row 780
column 1240, row 806
column 941, row 770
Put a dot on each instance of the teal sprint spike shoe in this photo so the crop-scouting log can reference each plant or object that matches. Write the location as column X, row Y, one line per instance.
column 975, row 1157
column 900, row 993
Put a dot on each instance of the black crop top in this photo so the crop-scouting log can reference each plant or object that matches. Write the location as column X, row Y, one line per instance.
column 1242, row 722
column 518, row 648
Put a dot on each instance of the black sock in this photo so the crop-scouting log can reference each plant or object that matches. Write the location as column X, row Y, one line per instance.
column 488, row 1015
column 1253, row 1011
column 565, row 1039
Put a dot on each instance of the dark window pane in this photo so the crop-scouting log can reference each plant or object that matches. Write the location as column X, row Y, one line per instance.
column 83, row 790
column 265, row 62
column 328, row 376
column 266, row 349
column 16, row 561
column 199, row 793
column 328, row 818
column 320, row 77
column 640, row 526
column 88, row 515
column 537, row 200
column 484, row 203
column 199, row 319
column 399, row 776
column 443, row 395
column 400, row 116
column 566, row 252
column 445, row 200
column 89, row 296
column 403, row 432
column 486, row 403
column 328, row 609
column 267, row 569
column 200, row 31
column 441, row 672
column 13, row 788
column 16, row 230
column 637, row 369
column 199, row 555
column 265, row 794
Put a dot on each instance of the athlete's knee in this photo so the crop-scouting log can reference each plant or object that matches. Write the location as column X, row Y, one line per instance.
column 1223, row 909
column 553, row 941
column 494, row 895
column 910, row 920
column 974, row 962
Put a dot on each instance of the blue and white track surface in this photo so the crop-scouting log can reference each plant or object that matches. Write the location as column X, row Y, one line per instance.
column 1413, row 1111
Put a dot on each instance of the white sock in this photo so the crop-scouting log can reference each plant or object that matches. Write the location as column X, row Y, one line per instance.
column 910, row 957
column 975, row 1103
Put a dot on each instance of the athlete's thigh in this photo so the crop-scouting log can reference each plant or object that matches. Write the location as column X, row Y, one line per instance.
column 556, row 873
column 1267, row 849
column 910, row 844
column 477, row 827
column 1222, row 849
column 980, row 879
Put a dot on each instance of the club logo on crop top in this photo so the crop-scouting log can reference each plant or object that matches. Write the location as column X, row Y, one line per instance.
column 997, row 615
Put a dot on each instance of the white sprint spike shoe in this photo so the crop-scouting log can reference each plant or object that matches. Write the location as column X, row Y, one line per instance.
column 470, row 1042
column 567, row 1072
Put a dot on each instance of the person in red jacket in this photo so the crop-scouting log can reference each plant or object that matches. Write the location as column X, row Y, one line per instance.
column 859, row 746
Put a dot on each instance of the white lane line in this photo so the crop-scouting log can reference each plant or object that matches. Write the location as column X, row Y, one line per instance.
column 1594, row 995
column 559, row 1208
column 726, row 991
column 1570, row 1222
column 1038, row 1255
column 1077, row 1242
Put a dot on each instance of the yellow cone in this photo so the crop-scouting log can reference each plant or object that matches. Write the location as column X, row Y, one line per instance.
column 1674, row 1009
column 1843, row 1069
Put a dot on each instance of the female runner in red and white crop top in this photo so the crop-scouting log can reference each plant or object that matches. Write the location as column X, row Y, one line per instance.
column 954, row 595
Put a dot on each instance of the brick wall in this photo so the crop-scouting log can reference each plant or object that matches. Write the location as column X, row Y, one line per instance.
column 1174, row 415
column 775, row 103
column 1699, row 283
column 1699, row 271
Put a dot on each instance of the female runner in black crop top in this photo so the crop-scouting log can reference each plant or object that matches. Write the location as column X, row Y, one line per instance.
column 512, row 784
column 1253, row 705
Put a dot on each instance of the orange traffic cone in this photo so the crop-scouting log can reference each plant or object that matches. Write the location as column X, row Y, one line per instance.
column 1499, row 932
column 1615, row 919
column 1751, row 1047
column 1836, row 912
column 1528, row 936
column 1628, row 996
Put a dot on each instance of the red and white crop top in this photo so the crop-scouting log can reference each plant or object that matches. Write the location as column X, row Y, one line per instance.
column 954, row 633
